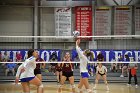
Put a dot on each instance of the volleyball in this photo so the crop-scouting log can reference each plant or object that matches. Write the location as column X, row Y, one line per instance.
column 76, row 33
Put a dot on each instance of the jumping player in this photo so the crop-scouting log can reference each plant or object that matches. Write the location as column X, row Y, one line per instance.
column 83, row 69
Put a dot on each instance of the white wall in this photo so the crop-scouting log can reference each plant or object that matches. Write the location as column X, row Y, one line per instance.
column 16, row 21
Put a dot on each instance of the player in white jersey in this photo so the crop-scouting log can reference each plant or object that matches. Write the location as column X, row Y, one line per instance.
column 83, row 68
column 26, row 75
column 101, row 71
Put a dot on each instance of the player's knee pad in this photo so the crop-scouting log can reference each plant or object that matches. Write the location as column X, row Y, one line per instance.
column 41, row 86
column 60, row 86
column 72, row 86
column 88, row 90
column 105, row 82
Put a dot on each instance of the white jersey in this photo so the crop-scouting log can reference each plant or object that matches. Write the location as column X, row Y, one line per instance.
column 101, row 70
column 29, row 66
column 83, row 60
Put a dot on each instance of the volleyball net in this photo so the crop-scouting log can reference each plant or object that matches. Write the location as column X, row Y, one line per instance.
column 114, row 48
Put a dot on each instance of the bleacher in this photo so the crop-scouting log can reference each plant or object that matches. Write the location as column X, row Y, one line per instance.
column 113, row 77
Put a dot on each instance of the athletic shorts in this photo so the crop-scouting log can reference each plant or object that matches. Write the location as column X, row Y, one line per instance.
column 67, row 74
column 85, row 75
column 101, row 74
column 37, row 71
column 59, row 70
column 26, row 79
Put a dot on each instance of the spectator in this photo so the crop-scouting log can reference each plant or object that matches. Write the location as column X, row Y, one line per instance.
column 53, row 58
column 10, row 67
column 113, row 65
column 132, row 67
column 18, row 57
column 125, row 65
column 120, row 59
column 4, row 60
column 5, row 57
column 100, row 57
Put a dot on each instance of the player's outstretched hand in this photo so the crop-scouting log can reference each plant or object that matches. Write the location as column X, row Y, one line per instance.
column 78, row 42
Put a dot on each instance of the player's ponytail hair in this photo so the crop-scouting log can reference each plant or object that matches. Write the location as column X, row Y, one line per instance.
column 91, row 56
column 30, row 53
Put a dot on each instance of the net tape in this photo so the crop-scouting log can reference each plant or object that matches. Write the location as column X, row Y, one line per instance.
column 103, row 36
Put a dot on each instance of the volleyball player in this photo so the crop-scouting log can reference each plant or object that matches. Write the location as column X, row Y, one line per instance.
column 67, row 72
column 58, row 69
column 83, row 69
column 26, row 75
column 37, row 70
column 101, row 72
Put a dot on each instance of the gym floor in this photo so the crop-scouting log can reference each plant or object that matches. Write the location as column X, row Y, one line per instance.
column 53, row 87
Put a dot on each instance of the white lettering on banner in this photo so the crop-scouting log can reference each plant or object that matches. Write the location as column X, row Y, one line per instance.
column 14, row 55
column 25, row 55
column 107, row 55
column 117, row 53
column 85, row 8
column 98, row 52
column 43, row 55
column 137, row 55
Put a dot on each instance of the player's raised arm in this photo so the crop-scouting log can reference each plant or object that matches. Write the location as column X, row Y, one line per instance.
column 78, row 42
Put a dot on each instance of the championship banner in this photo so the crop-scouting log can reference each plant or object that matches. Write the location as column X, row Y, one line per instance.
column 137, row 20
column 123, row 20
column 63, row 21
column 44, row 54
column 112, row 54
column 83, row 19
column 103, row 21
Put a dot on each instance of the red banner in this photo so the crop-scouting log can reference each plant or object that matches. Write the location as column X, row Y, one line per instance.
column 83, row 21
